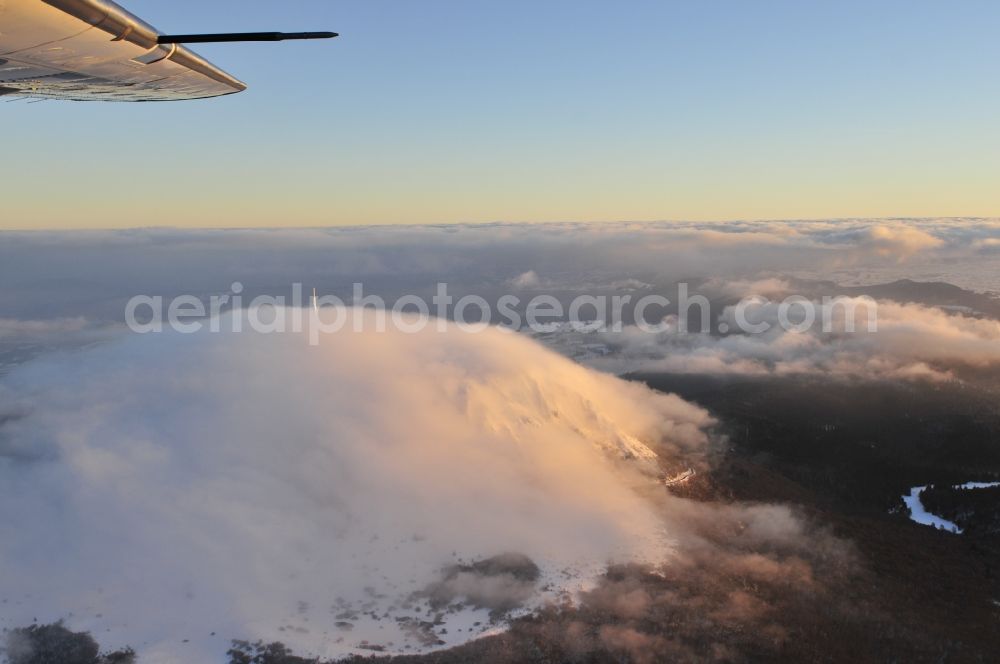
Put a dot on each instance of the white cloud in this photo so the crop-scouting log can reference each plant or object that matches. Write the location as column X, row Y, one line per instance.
column 911, row 341
column 772, row 287
column 525, row 280
column 898, row 241
column 159, row 488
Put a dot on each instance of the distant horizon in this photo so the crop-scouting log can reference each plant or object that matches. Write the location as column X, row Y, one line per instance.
column 503, row 222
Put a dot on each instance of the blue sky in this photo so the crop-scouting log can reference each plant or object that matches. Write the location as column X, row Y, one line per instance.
column 449, row 111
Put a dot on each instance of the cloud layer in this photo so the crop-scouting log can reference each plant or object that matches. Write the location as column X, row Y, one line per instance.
column 170, row 486
column 50, row 274
column 909, row 341
column 156, row 489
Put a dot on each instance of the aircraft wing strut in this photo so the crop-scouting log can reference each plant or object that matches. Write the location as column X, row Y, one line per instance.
column 95, row 50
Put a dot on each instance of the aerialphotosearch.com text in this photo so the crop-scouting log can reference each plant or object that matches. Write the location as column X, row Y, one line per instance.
column 317, row 314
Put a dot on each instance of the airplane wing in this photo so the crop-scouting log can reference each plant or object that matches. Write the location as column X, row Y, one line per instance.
column 95, row 50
